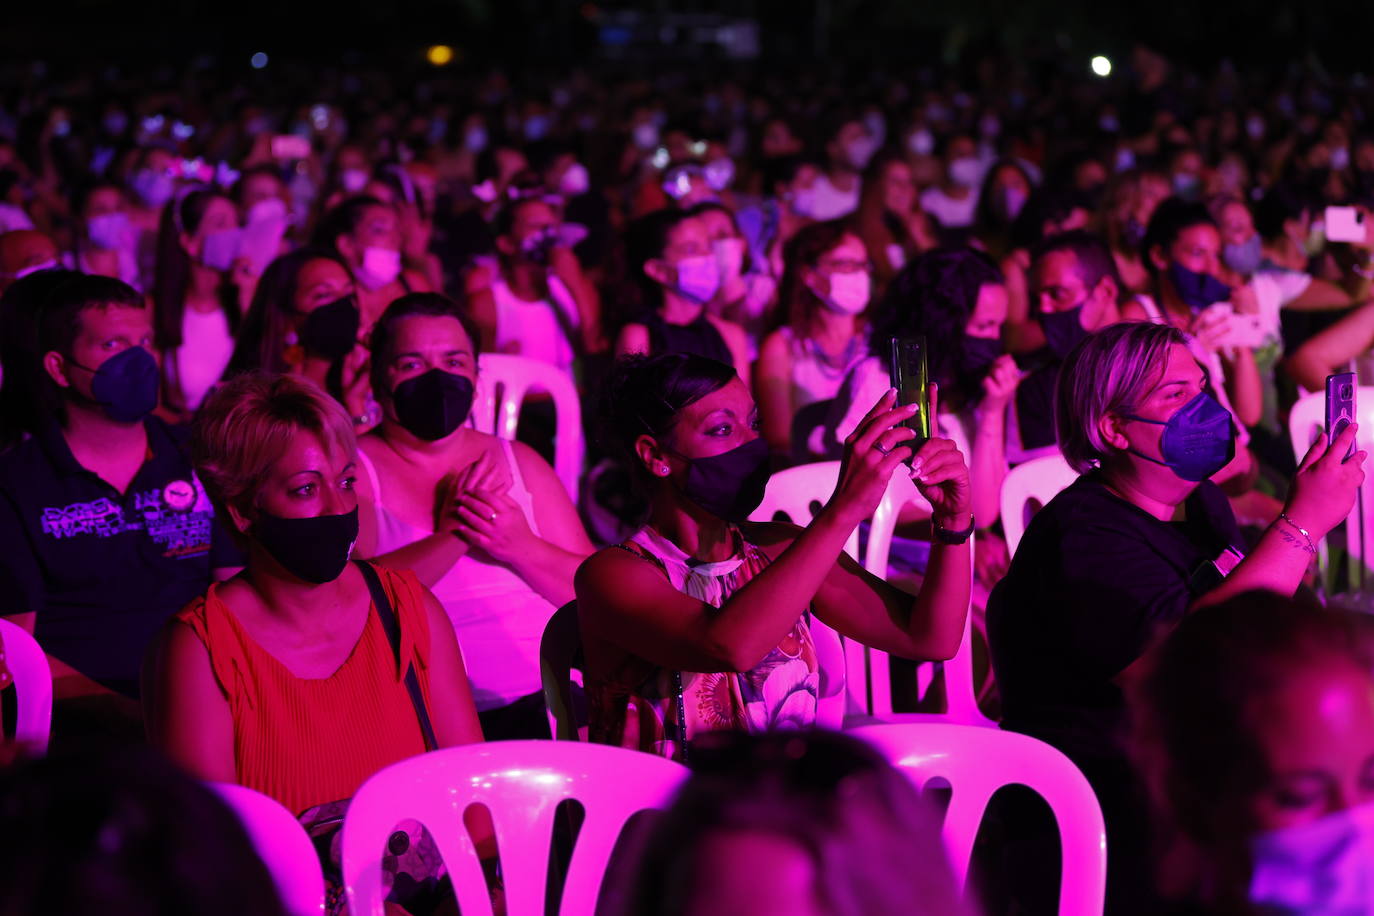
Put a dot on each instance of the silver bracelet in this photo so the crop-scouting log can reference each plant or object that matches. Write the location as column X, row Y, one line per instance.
column 1311, row 548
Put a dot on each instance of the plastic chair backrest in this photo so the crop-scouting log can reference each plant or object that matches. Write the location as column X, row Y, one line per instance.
column 503, row 381
column 28, row 665
column 282, row 844
column 521, row 783
column 558, row 649
column 1306, row 421
column 799, row 493
column 1039, row 480
column 976, row 762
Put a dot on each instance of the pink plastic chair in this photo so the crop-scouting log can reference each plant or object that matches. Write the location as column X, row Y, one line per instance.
column 283, row 846
column 521, row 783
column 976, row 762
column 1040, row 480
column 503, row 382
column 32, row 675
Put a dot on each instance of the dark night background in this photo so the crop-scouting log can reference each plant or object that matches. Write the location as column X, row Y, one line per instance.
column 1272, row 35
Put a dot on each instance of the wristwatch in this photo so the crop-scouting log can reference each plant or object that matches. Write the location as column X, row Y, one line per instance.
column 953, row 538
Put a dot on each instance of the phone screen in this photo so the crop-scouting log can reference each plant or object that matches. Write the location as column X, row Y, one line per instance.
column 1340, row 405
column 907, row 368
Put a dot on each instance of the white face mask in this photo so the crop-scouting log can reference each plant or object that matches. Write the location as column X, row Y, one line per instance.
column 269, row 209
column 859, row 151
column 966, row 171
column 804, row 202
column 353, row 180
column 1325, row 867
column 1340, row 157
column 698, row 278
column 921, row 142
column 729, row 257
column 848, row 292
column 574, row 181
column 380, row 266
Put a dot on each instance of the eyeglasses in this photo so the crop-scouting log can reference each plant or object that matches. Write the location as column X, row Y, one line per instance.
column 845, row 266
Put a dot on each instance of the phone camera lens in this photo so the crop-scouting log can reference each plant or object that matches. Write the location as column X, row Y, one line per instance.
column 1347, row 392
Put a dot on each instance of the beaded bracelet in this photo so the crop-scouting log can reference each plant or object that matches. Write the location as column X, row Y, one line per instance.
column 1310, row 548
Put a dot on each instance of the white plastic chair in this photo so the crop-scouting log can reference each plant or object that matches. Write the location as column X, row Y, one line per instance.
column 798, row 493
column 558, row 648
column 282, row 844
column 976, row 762
column 1305, row 423
column 503, row 381
column 1039, row 480
column 521, row 783
column 27, row 664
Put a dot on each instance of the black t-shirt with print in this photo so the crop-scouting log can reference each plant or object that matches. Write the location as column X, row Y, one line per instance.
column 1093, row 581
column 103, row 570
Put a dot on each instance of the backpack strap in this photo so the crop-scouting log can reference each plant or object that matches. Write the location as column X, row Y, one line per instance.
column 392, row 627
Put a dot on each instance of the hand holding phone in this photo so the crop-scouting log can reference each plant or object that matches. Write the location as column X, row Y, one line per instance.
column 1340, row 406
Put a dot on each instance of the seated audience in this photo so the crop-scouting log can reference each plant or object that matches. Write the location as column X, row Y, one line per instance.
column 1254, row 732
column 107, row 529
column 700, row 620
column 304, row 674
column 483, row 522
column 1139, row 540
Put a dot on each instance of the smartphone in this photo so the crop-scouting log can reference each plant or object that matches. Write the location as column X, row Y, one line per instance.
column 1340, row 405
column 290, row 147
column 1344, row 224
column 907, row 368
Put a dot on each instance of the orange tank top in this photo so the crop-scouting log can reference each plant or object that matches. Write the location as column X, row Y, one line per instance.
column 308, row 741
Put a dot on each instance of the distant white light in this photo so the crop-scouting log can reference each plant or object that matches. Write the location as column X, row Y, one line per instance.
column 258, row 61
column 1101, row 66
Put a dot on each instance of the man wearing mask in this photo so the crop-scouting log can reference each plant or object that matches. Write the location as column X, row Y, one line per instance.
column 1073, row 292
column 848, row 148
column 537, row 303
column 106, row 528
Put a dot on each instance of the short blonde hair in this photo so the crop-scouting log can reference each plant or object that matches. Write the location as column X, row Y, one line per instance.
column 247, row 424
column 1108, row 373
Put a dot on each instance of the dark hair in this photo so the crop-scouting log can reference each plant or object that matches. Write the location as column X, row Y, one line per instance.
column 1194, row 718
column 410, row 305
column 989, row 223
column 803, row 250
column 1171, row 218
column 172, row 269
column 643, row 395
column 1094, row 258
column 934, row 295
column 873, row 843
column 261, row 341
column 343, row 220
column 24, row 394
column 1280, row 203
column 123, row 831
column 1046, row 205
column 645, row 239
column 783, row 170
column 59, row 320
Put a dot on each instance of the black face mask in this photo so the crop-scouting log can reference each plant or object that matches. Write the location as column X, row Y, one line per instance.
column 432, row 405
column 311, row 549
column 979, row 353
column 729, row 485
column 331, row 330
column 126, row 385
column 1063, row 330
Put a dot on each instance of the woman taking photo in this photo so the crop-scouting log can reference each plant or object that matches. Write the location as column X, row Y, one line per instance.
column 700, row 620
column 1139, row 540
column 482, row 521
column 803, row 364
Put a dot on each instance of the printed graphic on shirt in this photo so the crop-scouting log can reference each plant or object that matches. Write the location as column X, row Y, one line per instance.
column 176, row 517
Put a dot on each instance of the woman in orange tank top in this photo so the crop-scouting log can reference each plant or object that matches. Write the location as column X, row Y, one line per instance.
column 287, row 678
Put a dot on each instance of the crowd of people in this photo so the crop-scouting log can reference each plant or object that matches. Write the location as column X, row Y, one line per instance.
column 249, row 515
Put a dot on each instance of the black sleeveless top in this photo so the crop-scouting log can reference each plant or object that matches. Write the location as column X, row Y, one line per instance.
column 700, row 338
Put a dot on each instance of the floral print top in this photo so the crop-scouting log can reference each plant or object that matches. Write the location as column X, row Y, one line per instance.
column 636, row 704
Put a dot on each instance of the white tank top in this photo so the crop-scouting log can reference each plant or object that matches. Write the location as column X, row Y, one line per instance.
column 204, row 352
column 539, row 330
column 814, row 376
column 496, row 616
